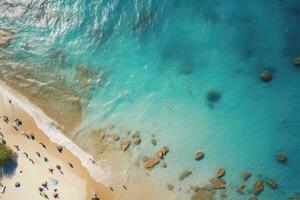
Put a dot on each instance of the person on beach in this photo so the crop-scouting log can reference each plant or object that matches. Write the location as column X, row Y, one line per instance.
column 5, row 119
column 31, row 160
column 45, row 159
column 17, row 147
column 43, row 145
column 70, row 164
column 59, row 149
column 51, row 170
column 26, row 154
column 38, row 154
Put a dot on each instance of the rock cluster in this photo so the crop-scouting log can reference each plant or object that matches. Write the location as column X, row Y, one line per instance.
column 160, row 153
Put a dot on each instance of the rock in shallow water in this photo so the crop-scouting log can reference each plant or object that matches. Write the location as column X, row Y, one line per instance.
column 218, row 183
column 272, row 184
column 246, row 175
column 125, row 144
column 184, row 175
column 258, row 187
column 5, row 37
column 220, row 172
column 199, row 155
column 151, row 162
column 265, row 76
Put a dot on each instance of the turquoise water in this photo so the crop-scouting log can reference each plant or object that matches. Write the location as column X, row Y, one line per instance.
column 160, row 58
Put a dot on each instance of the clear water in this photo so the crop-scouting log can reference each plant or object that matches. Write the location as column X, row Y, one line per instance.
column 161, row 57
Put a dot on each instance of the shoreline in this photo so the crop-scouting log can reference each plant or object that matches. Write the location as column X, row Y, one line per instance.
column 51, row 129
column 73, row 179
column 100, row 181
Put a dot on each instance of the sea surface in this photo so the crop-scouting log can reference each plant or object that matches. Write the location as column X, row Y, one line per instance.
column 148, row 65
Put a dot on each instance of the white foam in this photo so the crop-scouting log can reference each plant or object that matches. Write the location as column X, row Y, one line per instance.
column 47, row 125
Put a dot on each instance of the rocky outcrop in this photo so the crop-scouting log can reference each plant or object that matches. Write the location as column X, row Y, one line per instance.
column 115, row 137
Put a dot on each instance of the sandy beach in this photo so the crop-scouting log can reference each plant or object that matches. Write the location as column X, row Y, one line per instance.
column 32, row 171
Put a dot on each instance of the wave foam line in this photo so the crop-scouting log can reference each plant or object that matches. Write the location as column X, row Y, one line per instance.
column 47, row 126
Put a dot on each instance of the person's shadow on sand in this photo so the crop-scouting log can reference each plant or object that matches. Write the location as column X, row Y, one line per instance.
column 9, row 169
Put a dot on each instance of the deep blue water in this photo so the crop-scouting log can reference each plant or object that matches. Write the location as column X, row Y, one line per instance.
column 160, row 58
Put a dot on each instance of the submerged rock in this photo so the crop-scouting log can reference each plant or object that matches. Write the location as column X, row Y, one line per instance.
column 136, row 138
column 241, row 188
column 165, row 150
column 258, row 187
column 297, row 61
column 153, row 141
column 213, row 96
column 184, row 175
column 115, row 137
column 220, row 172
column 163, row 164
column 204, row 194
column 199, row 155
column 272, row 184
column 265, row 76
column 281, row 157
column 218, row 183
column 125, row 144
column 5, row 37
column 159, row 153
column 170, row 186
column 246, row 175
column 252, row 198
column 151, row 162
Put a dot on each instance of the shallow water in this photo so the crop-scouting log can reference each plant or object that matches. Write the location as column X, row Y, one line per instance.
column 149, row 64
